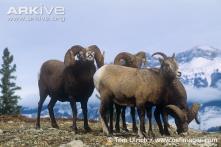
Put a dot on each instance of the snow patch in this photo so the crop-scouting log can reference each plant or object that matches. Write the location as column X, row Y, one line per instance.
column 200, row 67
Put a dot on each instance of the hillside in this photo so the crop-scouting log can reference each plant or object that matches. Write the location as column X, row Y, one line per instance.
column 20, row 131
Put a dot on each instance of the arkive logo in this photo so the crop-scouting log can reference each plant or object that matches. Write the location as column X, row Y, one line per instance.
column 36, row 10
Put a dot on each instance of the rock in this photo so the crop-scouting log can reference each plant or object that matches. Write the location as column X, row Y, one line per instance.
column 22, row 126
column 73, row 143
column 54, row 129
column 1, row 132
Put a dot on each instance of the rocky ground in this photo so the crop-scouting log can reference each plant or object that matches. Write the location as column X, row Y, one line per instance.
column 20, row 131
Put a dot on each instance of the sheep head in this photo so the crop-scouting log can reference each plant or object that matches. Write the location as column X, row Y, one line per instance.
column 183, row 117
column 93, row 52
column 76, row 50
column 127, row 59
column 169, row 67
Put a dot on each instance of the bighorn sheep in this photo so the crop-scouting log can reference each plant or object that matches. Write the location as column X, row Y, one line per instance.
column 176, row 99
column 71, row 80
column 134, row 87
column 129, row 60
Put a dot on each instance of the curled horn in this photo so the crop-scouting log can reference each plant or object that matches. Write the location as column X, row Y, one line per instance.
column 141, row 56
column 126, row 57
column 193, row 113
column 176, row 112
column 71, row 53
column 99, row 58
column 160, row 53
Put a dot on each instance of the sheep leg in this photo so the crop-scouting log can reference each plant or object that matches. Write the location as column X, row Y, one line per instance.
column 158, row 120
column 43, row 96
column 103, row 118
column 124, row 119
column 118, row 110
column 139, row 112
column 74, row 112
column 149, row 115
column 132, row 113
column 84, row 109
column 165, row 121
column 141, row 131
column 51, row 112
column 111, row 118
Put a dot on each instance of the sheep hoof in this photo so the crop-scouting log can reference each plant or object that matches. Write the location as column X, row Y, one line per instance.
column 135, row 129
column 117, row 130
column 141, row 134
column 109, row 134
column 75, row 129
column 87, row 129
column 151, row 134
column 106, row 132
column 167, row 133
column 37, row 127
column 55, row 126
column 125, row 129
column 161, row 132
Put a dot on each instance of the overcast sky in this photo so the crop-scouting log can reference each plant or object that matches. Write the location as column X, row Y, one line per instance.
column 113, row 25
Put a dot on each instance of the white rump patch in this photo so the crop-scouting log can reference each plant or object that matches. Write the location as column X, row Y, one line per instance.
column 98, row 76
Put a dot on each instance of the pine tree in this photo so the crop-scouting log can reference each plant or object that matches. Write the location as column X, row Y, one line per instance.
column 8, row 99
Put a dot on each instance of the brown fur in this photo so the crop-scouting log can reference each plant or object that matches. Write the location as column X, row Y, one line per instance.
column 71, row 82
column 175, row 95
column 130, row 86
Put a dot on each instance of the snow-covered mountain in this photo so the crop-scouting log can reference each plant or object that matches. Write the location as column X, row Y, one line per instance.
column 201, row 75
column 201, row 66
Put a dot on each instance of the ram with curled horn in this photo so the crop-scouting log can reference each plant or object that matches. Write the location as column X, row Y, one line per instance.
column 182, row 117
column 176, row 98
column 130, row 60
column 71, row 80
